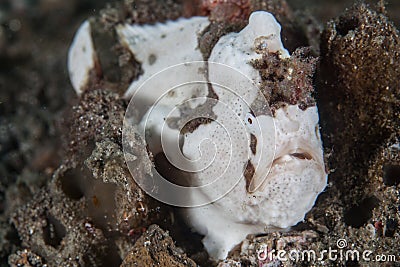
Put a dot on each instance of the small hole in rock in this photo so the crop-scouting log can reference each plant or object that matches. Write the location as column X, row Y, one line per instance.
column 391, row 175
column 390, row 227
column 346, row 25
column 352, row 263
column 109, row 258
column 360, row 214
column 70, row 184
column 2, row 202
column 12, row 236
column 53, row 232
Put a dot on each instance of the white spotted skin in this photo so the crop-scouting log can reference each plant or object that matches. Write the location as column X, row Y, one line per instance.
column 287, row 157
column 286, row 191
column 81, row 58
column 288, row 160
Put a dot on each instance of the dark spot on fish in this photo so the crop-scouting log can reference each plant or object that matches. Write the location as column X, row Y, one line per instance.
column 301, row 155
column 253, row 143
column 152, row 59
column 248, row 174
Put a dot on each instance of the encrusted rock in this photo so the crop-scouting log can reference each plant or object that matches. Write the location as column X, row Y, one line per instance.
column 54, row 228
column 156, row 248
column 26, row 258
column 287, row 80
column 359, row 91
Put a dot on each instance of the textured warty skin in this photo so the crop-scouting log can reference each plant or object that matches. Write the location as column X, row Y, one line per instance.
column 274, row 160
